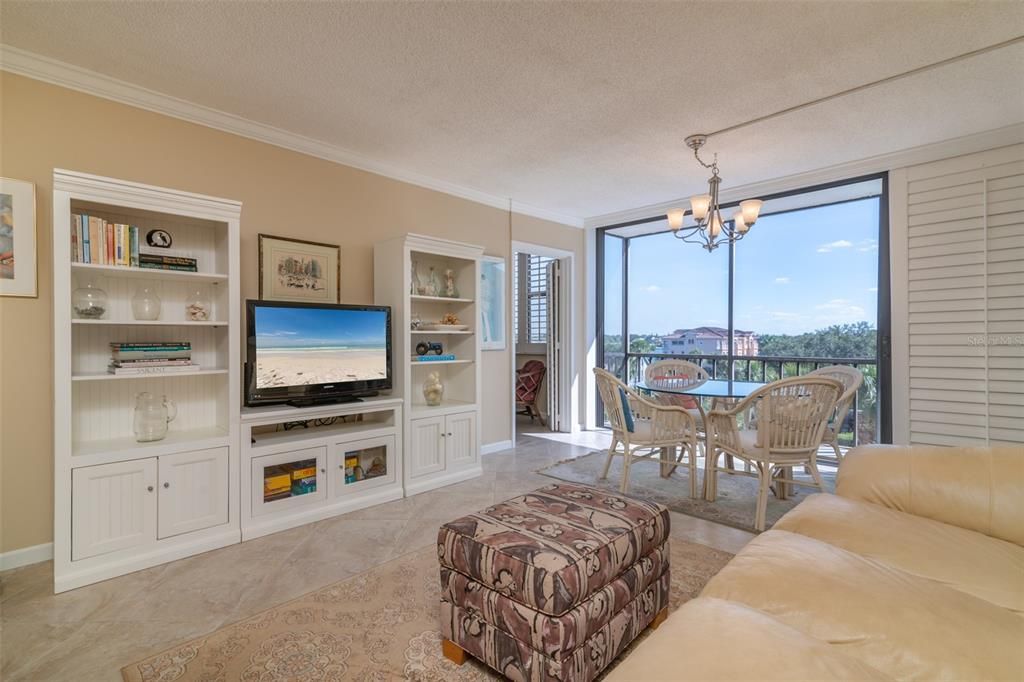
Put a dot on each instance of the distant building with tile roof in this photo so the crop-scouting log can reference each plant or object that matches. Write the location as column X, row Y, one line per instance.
column 708, row 341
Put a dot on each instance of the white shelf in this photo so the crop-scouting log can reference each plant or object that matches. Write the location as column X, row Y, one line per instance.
column 446, row 407
column 147, row 273
column 106, row 376
column 155, row 323
column 439, row 331
column 117, row 449
column 417, row 363
column 445, row 299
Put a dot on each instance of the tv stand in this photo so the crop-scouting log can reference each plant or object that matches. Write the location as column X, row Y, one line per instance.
column 349, row 456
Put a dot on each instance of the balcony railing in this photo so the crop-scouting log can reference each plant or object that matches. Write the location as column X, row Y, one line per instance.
column 860, row 425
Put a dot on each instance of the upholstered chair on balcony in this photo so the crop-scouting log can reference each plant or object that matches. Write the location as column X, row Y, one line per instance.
column 852, row 379
column 774, row 429
column 644, row 430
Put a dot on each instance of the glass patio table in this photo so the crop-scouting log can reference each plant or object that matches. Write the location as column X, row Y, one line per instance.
column 717, row 389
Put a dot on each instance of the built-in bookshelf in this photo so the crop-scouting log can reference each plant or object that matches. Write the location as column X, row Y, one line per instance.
column 121, row 504
column 442, row 442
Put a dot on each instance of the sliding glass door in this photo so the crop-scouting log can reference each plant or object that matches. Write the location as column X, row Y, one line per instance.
column 804, row 289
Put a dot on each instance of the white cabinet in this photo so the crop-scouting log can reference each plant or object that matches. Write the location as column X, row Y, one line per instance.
column 113, row 507
column 460, row 440
column 443, row 443
column 193, row 491
column 426, row 446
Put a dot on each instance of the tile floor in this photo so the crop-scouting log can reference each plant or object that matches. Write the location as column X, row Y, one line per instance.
column 91, row 632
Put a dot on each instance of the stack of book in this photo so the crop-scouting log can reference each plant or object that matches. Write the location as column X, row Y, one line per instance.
column 98, row 241
column 158, row 261
column 154, row 357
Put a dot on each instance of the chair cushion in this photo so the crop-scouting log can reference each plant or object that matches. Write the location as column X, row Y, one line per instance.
column 965, row 560
column 554, row 547
column 696, row 643
column 905, row 626
column 627, row 411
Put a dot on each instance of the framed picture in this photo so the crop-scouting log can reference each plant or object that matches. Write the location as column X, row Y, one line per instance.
column 297, row 270
column 492, row 303
column 17, row 238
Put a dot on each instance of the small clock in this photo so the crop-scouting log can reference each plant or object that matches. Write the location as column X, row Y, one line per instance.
column 160, row 239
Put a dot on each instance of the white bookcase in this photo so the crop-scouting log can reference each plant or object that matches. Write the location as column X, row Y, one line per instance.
column 121, row 505
column 442, row 443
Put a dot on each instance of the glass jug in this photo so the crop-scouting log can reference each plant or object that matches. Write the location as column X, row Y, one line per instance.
column 152, row 415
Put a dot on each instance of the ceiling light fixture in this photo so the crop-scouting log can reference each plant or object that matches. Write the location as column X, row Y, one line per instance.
column 709, row 229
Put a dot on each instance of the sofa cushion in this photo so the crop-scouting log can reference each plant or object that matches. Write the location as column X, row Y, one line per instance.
column 979, row 489
column 903, row 625
column 713, row 639
column 554, row 547
column 962, row 559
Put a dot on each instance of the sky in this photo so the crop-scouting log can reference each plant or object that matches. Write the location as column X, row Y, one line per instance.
column 795, row 272
column 303, row 327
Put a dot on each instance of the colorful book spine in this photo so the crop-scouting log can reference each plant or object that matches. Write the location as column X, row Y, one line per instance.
column 108, row 229
column 134, row 257
column 86, row 241
column 447, row 357
column 137, row 371
column 74, row 238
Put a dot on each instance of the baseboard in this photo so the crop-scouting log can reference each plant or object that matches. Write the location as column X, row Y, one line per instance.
column 17, row 558
column 495, row 447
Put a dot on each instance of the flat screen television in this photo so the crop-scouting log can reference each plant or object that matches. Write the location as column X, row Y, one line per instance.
column 311, row 353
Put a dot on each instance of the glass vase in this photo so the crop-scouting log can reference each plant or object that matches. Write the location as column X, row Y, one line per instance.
column 146, row 304
column 89, row 302
column 198, row 306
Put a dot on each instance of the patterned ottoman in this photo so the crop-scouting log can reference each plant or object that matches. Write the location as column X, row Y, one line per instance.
column 554, row 584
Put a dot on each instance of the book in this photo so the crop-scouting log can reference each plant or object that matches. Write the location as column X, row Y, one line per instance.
column 136, row 371
column 108, row 230
column 158, row 266
column 74, row 238
column 152, row 354
column 166, row 260
column 95, row 240
column 86, row 242
column 134, row 247
column 156, row 362
column 435, row 358
column 149, row 344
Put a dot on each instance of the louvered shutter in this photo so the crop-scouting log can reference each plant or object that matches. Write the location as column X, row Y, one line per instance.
column 965, row 299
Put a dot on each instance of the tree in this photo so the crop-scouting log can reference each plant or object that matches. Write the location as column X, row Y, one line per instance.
column 858, row 340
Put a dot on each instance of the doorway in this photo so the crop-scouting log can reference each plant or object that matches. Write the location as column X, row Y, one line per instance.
column 541, row 339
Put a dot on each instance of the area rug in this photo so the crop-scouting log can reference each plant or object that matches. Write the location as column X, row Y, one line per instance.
column 377, row 626
column 734, row 506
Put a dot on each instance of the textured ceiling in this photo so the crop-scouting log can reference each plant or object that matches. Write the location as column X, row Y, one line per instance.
column 578, row 108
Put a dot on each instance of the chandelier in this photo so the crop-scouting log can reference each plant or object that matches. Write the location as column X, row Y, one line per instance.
column 710, row 230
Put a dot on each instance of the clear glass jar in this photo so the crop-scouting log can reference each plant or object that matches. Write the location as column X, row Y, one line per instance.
column 198, row 305
column 146, row 303
column 89, row 302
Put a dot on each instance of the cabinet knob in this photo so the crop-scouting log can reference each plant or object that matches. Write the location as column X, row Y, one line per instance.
column 324, row 471
column 167, row 484
column 442, row 434
column 149, row 488
column 449, row 433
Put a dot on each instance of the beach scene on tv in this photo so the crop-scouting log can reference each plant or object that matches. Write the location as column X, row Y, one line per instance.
column 300, row 346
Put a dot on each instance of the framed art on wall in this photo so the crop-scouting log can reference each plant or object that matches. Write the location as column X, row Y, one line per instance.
column 17, row 238
column 492, row 303
column 297, row 270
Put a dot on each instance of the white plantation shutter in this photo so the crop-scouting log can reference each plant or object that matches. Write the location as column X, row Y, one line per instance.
column 965, row 299
column 530, row 304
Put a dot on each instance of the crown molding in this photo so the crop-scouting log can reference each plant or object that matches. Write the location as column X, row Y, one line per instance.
column 958, row 146
column 35, row 66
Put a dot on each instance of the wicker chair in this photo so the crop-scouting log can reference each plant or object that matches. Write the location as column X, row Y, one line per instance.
column 677, row 374
column 639, row 424
column 851, row 379
column 529, row 378
column 774, row 429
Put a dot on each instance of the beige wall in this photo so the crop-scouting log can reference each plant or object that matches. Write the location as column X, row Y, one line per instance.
column 43, row 127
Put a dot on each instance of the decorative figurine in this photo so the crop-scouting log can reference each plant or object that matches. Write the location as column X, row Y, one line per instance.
column 415, row 323
column 449, row 284
column 433, row 389
column 424, row 347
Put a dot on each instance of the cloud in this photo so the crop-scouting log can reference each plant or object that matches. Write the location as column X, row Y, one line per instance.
column 838, row 244
column 782, row 280
column 839, row 311
column 652, row 289
column 868, row 245
column 872, row 290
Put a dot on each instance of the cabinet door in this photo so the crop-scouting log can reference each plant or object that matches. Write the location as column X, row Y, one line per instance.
column 113, row 507
column 287, row 480
column 460, row 440
column 359, row 465
column 426, row 440
column 193, row 491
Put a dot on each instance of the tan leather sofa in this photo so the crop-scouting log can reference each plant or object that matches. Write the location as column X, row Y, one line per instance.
column 913, row 570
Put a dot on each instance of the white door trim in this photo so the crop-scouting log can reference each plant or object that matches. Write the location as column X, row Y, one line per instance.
column 569, row 375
